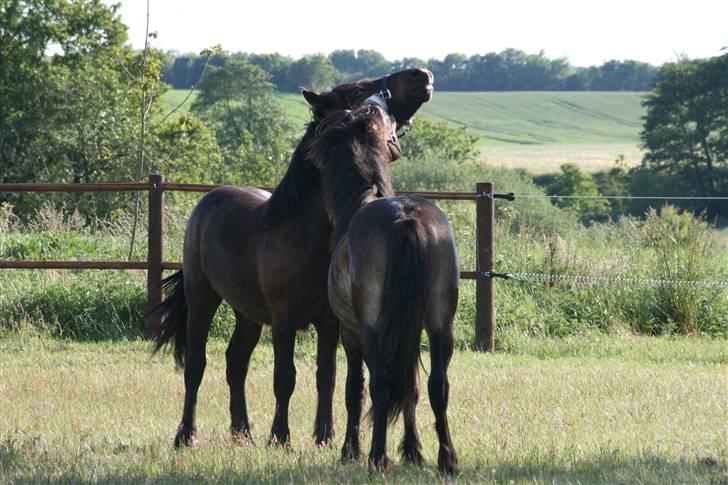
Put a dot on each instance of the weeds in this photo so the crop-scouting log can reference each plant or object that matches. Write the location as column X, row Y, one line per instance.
column 666, row 245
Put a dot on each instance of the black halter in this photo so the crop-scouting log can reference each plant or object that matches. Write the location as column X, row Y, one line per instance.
column 385, row 102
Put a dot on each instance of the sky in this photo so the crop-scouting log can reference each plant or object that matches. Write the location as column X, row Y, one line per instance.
column 586, row 32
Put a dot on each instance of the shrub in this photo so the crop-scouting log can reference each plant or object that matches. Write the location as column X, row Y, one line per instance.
column 680, row 245
column 574, row 181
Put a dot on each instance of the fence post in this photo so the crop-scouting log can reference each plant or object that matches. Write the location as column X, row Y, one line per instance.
column 155, row 249
column 484, row 285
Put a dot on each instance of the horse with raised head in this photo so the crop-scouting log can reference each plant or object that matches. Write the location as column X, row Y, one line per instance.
column 394, row 272
column 267, row 255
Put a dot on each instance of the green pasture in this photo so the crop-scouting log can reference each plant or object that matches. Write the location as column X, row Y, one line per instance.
column 611, row 410
column 537, row 131
column 517, row 118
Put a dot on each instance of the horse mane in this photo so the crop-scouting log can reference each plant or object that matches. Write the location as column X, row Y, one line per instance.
column 299, row 182
column 351, row 151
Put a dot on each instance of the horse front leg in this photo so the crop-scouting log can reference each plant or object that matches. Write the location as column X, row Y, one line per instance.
column 328, row 340
column 245, row 338
column 284, row 380
column 441, row 348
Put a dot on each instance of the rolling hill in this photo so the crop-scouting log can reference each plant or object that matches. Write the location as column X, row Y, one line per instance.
column 533, row 130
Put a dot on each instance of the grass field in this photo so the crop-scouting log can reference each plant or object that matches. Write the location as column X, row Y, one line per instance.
column 537, row 131
column 626, row 410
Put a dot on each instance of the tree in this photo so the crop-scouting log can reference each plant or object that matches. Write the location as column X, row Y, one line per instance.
column 70, row 99
column 315, row 72
column 237, row 102
column 45, row 99
column 685, row 133
column 439, row 141
column 352, row 65
column 573, row 181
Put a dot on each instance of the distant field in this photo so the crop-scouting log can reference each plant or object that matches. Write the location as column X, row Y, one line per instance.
column 534, row 130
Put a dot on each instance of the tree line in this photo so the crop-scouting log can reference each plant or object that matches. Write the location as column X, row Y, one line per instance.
column 508, row 70
column 74, row 114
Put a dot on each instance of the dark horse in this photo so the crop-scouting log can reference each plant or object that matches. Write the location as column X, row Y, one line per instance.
column 267, row 255
column 394, row 271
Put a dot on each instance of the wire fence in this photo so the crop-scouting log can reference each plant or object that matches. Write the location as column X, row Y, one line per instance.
column 604, row 281
column 612, row 281
column 624, row 197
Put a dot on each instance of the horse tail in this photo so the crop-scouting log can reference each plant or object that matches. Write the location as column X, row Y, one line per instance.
column 173, row 311
column 400, row 322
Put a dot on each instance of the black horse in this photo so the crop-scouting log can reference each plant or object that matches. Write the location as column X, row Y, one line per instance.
column 267, row 255
column 394, row 271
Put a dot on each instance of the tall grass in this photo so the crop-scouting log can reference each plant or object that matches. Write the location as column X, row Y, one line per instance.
column 666, row 245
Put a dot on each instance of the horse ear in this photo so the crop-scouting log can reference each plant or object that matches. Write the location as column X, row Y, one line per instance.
column 312, row 98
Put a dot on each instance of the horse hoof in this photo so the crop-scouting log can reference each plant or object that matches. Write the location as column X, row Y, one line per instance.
column 324, row 443
column 413, row 457
column 350, row 453
column 242, row 438
column 282, row 443
column 188, row 439
column 447, row 463
column 324, row 440
column 381, row 465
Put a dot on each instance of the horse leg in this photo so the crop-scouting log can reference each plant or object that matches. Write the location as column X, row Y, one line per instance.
column 284, row 380
column 410, row 448
column 441, row 348
column 328, row 339
column 354, row 397
column 199, row 317
column 245, row 338
column 379, row 390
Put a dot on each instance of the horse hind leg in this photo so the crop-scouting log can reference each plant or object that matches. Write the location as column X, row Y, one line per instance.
column 380, row 392
column 351, row 450
column 441, row 348
column 244, row 340
column 410, row 448
column 199, row 317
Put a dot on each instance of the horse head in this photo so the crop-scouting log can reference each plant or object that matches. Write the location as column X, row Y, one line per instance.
column 400, row 94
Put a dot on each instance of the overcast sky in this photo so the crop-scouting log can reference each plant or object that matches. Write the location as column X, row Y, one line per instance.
column 586, row 32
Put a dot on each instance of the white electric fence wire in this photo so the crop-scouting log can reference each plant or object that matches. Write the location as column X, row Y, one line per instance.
column 639, row 197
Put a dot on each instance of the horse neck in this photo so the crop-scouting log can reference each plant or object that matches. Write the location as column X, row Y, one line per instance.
column 342, row 202
column 299, row 191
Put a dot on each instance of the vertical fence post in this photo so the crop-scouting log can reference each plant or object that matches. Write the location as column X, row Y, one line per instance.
column 484, row 285
column 155, row 249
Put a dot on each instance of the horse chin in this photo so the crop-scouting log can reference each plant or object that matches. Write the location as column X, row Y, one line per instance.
column 429, row 90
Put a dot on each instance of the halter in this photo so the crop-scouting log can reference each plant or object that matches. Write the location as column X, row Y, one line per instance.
column 383, row 99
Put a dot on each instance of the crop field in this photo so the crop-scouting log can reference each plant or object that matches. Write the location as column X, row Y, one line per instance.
column 537, row 131
column 577, row 410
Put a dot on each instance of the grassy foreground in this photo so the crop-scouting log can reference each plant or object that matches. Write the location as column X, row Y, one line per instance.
column 629, row 410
